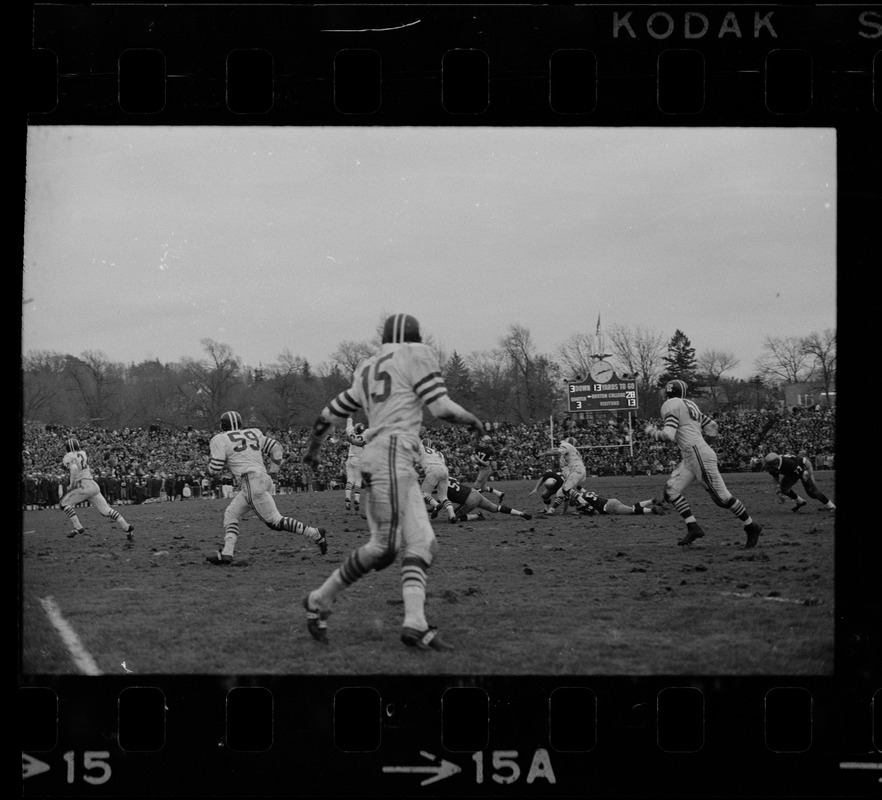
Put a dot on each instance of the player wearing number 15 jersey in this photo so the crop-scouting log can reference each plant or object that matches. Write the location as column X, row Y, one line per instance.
column 685, row 425
column 242, row 451
column 391, row 387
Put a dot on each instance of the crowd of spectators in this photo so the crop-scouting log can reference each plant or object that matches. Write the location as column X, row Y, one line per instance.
column 134, row 466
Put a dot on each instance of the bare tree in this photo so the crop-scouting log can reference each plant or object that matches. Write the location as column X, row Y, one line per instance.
column 712, row 364
column 349, row 354
column 98, row 381
column 575, row 355
column 822, row 348
column 210, row 385
column 784, row 360
column 491, row 384
column 42, row 382
column 641, row 352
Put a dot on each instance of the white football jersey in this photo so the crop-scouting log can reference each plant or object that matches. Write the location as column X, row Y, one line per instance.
column 431, row 457
column 391, row 387
column 77, row 464
column 569, row 456
column 684, row 423
column 243, row 451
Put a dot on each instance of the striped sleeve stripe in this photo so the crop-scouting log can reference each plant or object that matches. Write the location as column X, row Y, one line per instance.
column 430, row 377
column 344, row 405
column 216, row 464
column 432, row 397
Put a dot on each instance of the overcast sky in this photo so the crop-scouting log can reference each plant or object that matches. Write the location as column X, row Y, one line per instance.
column 140, row 242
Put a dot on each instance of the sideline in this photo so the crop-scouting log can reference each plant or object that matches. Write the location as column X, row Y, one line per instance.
column 82, row 659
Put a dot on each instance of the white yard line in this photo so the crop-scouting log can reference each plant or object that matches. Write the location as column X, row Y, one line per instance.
column 84, row 662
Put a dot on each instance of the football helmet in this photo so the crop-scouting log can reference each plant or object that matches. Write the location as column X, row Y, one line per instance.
column 771, row 458
column 571, row 440
column 401, row 328
column 675, row 388
column 72, row 445
column 231, row 421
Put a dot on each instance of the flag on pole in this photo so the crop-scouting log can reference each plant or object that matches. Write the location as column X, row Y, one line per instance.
column 597, row 333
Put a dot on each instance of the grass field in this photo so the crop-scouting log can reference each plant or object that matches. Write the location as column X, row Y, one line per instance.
column 610, row 595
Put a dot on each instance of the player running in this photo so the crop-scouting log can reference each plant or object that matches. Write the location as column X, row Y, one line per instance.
column 82, row 487
column 352, row 490
column 685, row 425
column 484, row 458
column 242, row 450
column 391, row 387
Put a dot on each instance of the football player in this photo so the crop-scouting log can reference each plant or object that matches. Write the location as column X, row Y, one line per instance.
column 435, row 477
column 591, row 503
column 242, row 451
column 686, row 426
column 786, row 470
column 572, row 468
column 550, row 483
column 466, row 499
column 391, row 387
column 355, row 435
column 82, row 488
column 484, row 457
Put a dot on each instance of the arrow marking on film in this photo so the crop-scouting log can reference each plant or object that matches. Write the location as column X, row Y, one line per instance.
column 443, row 770
column 30, row 766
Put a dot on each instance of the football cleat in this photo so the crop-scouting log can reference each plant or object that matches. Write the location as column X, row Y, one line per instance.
column 322, row 541
column 452, row 519
column 657, row 509
column 75, row 531
column 693, row 532
column 527, row 517
column 130, row 533
column 753, row 532
column 434, row 514
column 219, row 559
column 316, row 622
column 799, row 504
column 425, row 640
column 501, row 498
column 348, row 505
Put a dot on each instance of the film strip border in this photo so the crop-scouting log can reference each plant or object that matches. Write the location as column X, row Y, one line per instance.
column 463, row 65
column 455, row 65
column 559, row 736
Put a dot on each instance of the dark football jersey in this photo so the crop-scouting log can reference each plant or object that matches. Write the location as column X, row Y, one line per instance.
column 790, row 465
column 484, row 454
column 595, row 502
column 456, row 492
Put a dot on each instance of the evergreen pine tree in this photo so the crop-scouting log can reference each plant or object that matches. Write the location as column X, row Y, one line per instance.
column 680, row 361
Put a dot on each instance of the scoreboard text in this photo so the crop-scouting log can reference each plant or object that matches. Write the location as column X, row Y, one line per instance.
column 615, row 395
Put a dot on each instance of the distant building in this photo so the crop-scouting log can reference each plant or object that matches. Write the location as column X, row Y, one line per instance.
column 804, row 395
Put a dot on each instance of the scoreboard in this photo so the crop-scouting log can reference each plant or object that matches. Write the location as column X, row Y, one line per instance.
column 616, row 394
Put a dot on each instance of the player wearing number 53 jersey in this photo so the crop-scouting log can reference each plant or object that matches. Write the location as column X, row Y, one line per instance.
column 242, row 451
column 82, row 488
column 686, row 425
column 391, row 387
